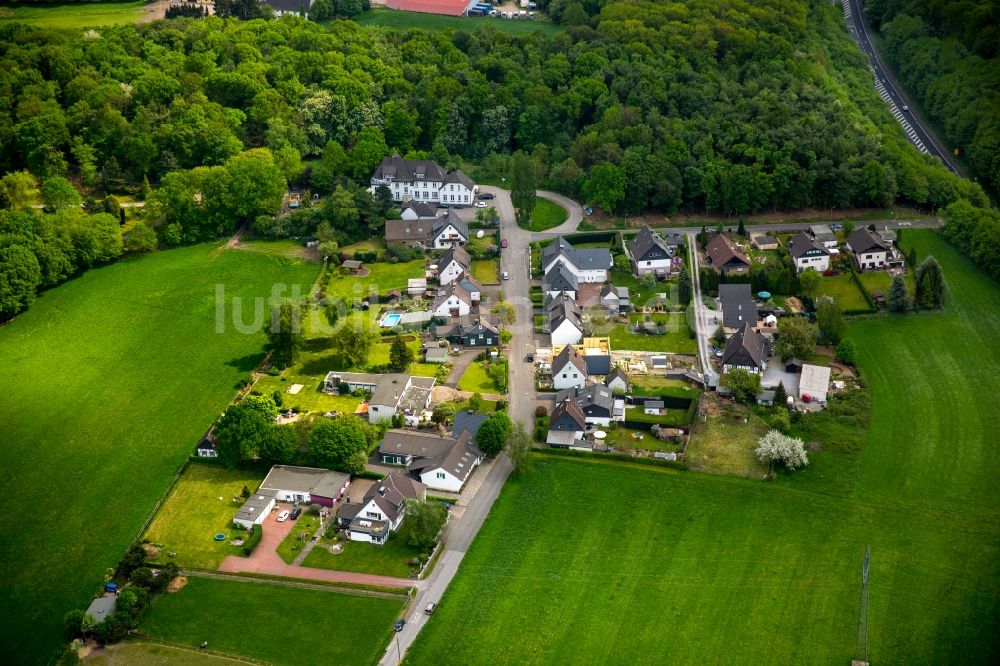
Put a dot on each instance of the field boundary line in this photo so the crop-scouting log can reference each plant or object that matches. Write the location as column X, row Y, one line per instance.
column 289, row 582
column 141, row 638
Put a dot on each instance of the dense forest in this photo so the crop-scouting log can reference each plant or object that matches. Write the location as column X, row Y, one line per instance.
column 947, row 53
column 721, row 106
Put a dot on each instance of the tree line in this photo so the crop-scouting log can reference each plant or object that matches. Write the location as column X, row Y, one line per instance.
column 946, row 54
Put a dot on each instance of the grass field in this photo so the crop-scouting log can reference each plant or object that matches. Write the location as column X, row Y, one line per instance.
column 109, row 381
column 193, row 513
column 389, row 559
column 843, row 289
column 381, row 278
column 137, row 653
column 281, row 625
column 486, row 271
column 290, row 546
column 74, row 15
column 676, row 340
column 475, row 379
column 547, row 214
column 698, row 568
column 402, row 20
column 725, row 445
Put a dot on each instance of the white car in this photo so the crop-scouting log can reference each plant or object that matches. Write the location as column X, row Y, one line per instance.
column 283, row 516
column 505, row 275
column 480, row 204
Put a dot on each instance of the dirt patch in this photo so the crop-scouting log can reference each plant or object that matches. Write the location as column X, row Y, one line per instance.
column 443, row 394
column 842, row 370
column 152, row 551
column 177, row 583
column 795, row 304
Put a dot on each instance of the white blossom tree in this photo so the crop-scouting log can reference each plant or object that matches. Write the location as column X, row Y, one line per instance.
column 777, row 448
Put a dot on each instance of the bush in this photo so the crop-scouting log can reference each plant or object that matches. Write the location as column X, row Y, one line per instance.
column 256, row 534
column 541, row 411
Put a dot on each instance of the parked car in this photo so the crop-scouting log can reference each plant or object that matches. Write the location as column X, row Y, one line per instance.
column 503, row 243
column 430, row 608
column 505, row 275
column 283, row 516
column 486, row 196
column 480, row 204
column 400, row 623
column 442, row 205
column 296, row 512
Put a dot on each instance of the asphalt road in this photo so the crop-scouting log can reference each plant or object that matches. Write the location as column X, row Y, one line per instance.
column 889, row 89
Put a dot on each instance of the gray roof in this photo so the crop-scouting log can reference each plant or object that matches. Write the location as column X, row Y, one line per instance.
column 435, row 354
column 459, row 457
column 457, row 253
column 653, row 404
column 597, row 364
column 738, row 306
column 568, row 356
column 862, row 240
column 102, row 608
column 646, row 240
column 822, row 232
column 255, row 504
column 568, row 408
column 421, row 208
column 468, row 283
column 559, row 278
column 289, row 5
column 390, row 389
column 391, row 493
column 452, row 218
column 467, row 420
column 563, row 309
column 312, row 480
column 745, row 343
column 457, row 176
column 415, row 443
column 615, row 373
column 399, row 231
column 801, row 243
column 453, row 288
column 611, row 292
column 397, row 169
column 583, row 259
column 565, row 438
column 595, row 394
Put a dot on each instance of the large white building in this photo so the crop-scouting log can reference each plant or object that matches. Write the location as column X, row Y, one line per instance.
column 586, row 264
column 423, row 180
column 391, row 393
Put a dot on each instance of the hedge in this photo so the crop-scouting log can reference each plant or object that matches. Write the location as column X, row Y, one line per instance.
column 368, row 474
column 592, row 237
column 864, row 292
column 256, row 534
column 567, row 453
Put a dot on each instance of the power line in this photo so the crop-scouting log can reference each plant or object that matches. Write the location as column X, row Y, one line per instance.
column 862, row 649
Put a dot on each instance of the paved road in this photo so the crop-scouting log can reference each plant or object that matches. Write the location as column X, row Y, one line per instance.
column 703, row 328
column 460, row 532
column 889, row 89
column 574, row 213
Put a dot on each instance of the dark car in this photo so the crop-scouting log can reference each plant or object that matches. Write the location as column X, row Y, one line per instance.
column 503, row 243
column 400, row 623
column 442, row 205
column 296, row 512
column 487, row 196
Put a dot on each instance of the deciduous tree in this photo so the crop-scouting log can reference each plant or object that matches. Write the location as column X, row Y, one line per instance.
column 353, row 340
column 518, row 448
column 774, row 447
column 522, row 188
column 333, row 442
column 493, row 433
column 796, row 338
column 742, row 383
column 424, row 521
column 830, row 320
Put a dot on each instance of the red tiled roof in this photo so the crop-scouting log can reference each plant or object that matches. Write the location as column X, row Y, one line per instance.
column 448, row 7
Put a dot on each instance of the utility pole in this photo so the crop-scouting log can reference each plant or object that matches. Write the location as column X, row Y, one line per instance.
column 862, row 647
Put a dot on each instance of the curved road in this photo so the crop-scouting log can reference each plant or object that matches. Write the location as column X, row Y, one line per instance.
column 574, row 213
column 889, row 89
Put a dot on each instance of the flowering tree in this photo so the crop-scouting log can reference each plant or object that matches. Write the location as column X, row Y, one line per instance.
column 777, row 448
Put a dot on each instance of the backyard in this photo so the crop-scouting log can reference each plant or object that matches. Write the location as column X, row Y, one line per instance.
column 110, row 379
column 725, row 445
column 475, row 379
column 770, row 567
column 389, row 559
column 274, row 623
column 844, row 290
column 381, row 277
column 676, row 340
column 486, row 271
column 201, row 505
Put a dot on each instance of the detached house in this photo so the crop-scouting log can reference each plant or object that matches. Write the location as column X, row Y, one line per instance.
column 569, row 370
column 454, row 263
column 381, row 510
column 808, row 253
column 823, row 235
column 650, row 253
column 615, row 300
column 423, row 181
column 565, row 321
column 418, row 210
column 595, row 401
column 746, row 350
column 871, row 253
column 469, row 331
column 559, row 280
column 453, row 301
column 588, row 265
column 567, row 424
column 439, row 461
column 391, row 393
column 449, row 230
column 439, row 233
column 725, row 256
column 738, row 306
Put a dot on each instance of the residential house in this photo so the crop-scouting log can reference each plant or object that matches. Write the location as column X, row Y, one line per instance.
column 871, row 253
column 814, row 382
column 475, row 290
column 255, row 509
column 595, row 401
column 617, row 381
column 474, row 330
column 304, row 485
column 565, row 321
column 453, row 264
column 568, row 369
column 381, row 510
column 400, row 394
column 335, row 382
column 103, row 607
column 567, row 424
column 412, row 232
column 559, row 280
column 468, row 421
column 808, row 253
column 888, row 235
column 418, row 210
column 650, row 253
column 823, row 235
column 449, row 230
column 725, row 256
column 738, row 306
column 423, row 181
column 587, row 264
column 452, row 301
column 289, row 7
column 746, row 350
column 440, row 462
column 616, row 300
column 763, row 242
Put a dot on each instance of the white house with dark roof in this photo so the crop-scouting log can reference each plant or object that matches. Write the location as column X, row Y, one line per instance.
column 558, row 280
column 569, row 370
column 596, row 402
column 453, row 264
column 567, row 425
column 617, row 380
column 304, row 485
column 418, row 210
column 423, row 180
column 565, row 321
column 439, row 461
column 871, row 252
column 289, row 7
column 808, row 253
column 587, row 264
column 380, row 512
column 650, row 253
column 452, row 301
column 449, row 230
column 746, row 350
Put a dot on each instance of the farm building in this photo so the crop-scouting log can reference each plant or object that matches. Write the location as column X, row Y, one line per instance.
column 814, row 382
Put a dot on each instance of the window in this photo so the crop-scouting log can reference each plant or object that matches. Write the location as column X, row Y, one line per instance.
column 440, row 475
column 564, row 375
column 373, row 514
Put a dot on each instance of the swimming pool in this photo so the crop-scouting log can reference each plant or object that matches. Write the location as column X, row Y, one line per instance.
column 390, row 320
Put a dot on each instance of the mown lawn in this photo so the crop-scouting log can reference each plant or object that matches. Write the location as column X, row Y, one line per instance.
column 486, row 271
column 74, row 15
column 476, row 379
column 281, row 625
column 199, row 506
column 843, row 289
column 381, row 278
column 403, row 20
column 109, row 381
column 741, row 571
column 677, row 339
column 389, row 559
column 546, row 215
